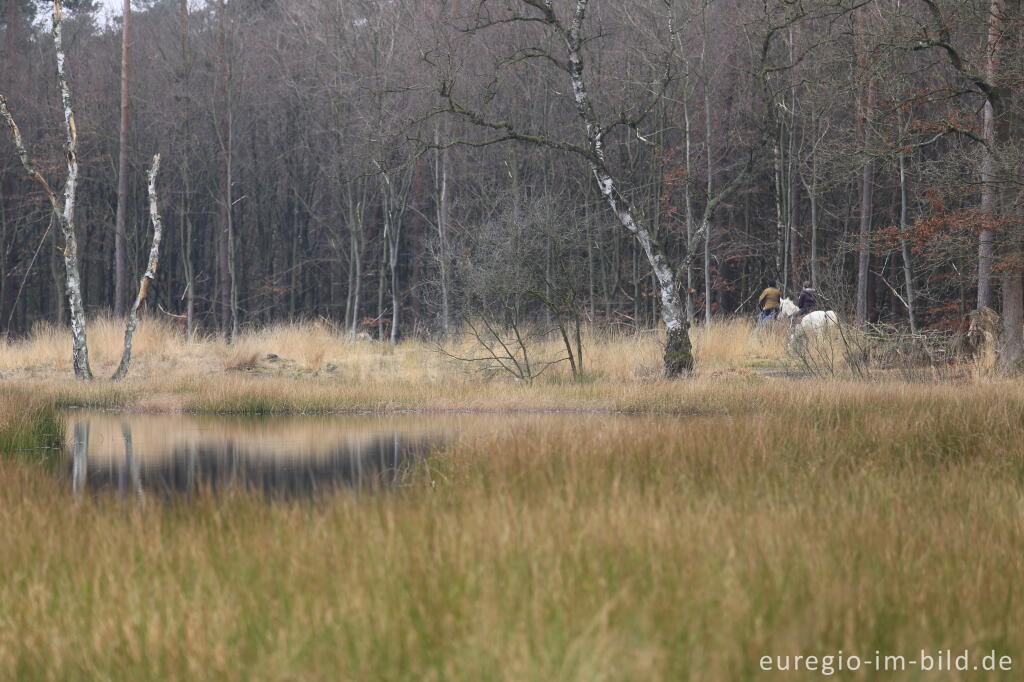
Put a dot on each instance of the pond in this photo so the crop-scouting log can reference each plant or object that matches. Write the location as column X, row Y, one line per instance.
column 170, row 455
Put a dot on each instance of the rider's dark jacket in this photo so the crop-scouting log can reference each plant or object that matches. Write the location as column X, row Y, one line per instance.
column 806, row 302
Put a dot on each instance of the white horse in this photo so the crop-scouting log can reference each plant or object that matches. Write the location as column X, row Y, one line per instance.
column 813, row 323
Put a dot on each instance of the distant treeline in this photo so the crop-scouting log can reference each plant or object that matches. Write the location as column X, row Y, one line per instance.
column 331, row 159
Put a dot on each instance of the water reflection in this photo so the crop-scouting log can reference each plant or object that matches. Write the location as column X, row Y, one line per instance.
column 292, row 457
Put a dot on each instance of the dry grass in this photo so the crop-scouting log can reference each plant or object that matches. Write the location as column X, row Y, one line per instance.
column 312, row 368
column 259, row 373
column 837, row 516
column 738, row 515
column 316, row 349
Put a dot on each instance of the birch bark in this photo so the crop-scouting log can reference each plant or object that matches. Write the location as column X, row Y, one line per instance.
column 147, row 277
column 64, row 212
column 678, row 357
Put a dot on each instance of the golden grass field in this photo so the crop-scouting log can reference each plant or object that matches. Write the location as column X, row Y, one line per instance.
column 736, row 515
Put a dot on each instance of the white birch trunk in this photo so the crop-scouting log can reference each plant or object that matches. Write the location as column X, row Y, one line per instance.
column 79, row 347
column 707, row 159
column 678, row 353
column 65, row 213
column 147, row 277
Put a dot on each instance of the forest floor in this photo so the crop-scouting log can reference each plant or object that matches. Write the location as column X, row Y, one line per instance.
column 737, row 516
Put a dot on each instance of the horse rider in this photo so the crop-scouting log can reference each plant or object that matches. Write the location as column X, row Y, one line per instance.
column 806, row 302
column 769, row 301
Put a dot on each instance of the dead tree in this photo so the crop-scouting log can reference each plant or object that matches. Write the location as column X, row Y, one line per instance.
column 63, row 211
column 147, row 277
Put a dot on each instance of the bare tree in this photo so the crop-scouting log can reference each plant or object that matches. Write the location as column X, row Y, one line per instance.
column 678, row 356
column 64, row 212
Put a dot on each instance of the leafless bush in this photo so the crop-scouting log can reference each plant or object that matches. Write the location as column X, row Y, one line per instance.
column 518, row 288
column 877, row 350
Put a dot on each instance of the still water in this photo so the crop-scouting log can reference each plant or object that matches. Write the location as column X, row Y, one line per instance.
column 169, row 455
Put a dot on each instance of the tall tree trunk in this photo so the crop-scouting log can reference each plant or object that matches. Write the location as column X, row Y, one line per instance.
column 441, row 188
column 393, row 245
column 1011, row 350
column 708, row 159
column 780, row 220
column 688, row 197
column 186, row 224
column 380, row 291
column 120, row 236
column 228, row 300
column 678, row 356
column 710, row 186
column 80, row 348
column 989, row 207
column 866, row 179
column 812, row 193
column 908, row 273
column 864, row 242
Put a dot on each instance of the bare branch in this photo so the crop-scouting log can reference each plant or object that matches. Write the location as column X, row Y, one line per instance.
column 944, row 42
column 26, row 160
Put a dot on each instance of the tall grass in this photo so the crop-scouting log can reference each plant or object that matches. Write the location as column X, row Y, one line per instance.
column 737, row 515
column 853, row 517
column 313, row 367
column 315, row 348
column 31, row 428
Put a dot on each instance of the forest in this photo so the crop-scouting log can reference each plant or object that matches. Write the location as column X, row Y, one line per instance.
column 448, row 356
column 398, row 167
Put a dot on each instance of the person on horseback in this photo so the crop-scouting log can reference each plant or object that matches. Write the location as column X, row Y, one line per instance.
column 806, row 301
column 769, row 302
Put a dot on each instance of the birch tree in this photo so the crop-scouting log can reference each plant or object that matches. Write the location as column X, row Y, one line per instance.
column 64, row 210
column 147, row 277
column 569, row 34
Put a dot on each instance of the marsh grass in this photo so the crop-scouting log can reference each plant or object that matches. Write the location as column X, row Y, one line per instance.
column 309, row 348
column 736, row 515
column 837, row 516
column 31, row 428
column 312, row 368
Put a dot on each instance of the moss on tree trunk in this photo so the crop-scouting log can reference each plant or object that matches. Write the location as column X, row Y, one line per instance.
column 678, row 352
